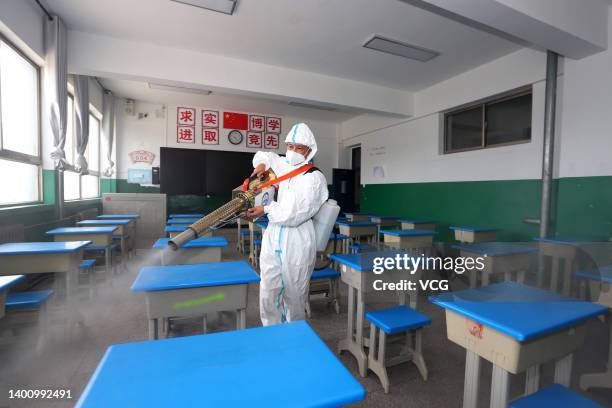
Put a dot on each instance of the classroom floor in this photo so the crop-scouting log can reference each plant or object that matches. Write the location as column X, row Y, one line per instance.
column 117, row 315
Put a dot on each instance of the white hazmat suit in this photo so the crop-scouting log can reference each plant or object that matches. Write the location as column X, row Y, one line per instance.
column 288, row 248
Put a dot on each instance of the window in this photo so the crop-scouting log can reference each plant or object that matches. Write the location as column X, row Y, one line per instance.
column 76, row 186
column 20, row 160
column 497, row 122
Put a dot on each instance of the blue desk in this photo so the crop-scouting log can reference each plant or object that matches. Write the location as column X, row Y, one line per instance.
column 563, row 253
column 99, row 236
column 417, row 241
column 356, row 230
column 182, row 221
column 384, row 221
column 335, row 240
column 498, row 258
column 356, row 271
column 472, row 235
column 227, row 369
column 418, row 224
column 517, row 328
column 6, row 282
column 353, row 216
column 600, row 281
column 199, row 250
column 45, row 257
column 118, row 217
column 125, row 232
column 187, row 216
column 194, row 290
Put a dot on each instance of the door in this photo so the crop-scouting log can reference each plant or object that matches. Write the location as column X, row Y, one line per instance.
column 343, row 188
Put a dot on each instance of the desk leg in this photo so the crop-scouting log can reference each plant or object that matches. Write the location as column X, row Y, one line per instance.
column 499, row 387
column 108, row 263
column 485, row 277
column 473, row 275
column 603, row 380
column 532, row 379
column 554, row 275
column 563, row 370
column 472, row 380
column 152, row 329
column 540, row 277
column 354, row 336
column 241, row 319
column 567, row 276
column 124, row 253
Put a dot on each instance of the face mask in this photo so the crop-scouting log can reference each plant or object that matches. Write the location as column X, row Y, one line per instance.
column 294, row 158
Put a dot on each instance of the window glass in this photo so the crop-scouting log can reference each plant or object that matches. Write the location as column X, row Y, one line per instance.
column 90, row 186
column 464, row 129
column 19, row 182
column 71, row 185
column 18, row 102
column 509, row 120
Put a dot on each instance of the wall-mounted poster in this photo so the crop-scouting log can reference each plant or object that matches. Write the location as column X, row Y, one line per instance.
column 185, row 134
column 210, row 136
column 253, row 139
column 185, row 116
column 271, row 141
column 142, row 156
column 210, row 119
column 273, row 124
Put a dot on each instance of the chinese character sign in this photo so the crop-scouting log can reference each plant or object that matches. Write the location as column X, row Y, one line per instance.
column 142, row 156
column 254, row 139
column 271, row 141
column 273, row 124
column 210, row 136
column 210, row 119
column 185, row 134
column 185, row 116
column 256, row 123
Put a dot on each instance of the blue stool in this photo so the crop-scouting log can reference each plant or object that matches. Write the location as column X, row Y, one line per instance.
column 27, row 300
column 326, row 283
column 391, row 321
column 554, row 396
column 108, row 255
column 23, row 307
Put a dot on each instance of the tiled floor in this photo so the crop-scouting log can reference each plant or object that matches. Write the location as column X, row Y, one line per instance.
column 117, row 315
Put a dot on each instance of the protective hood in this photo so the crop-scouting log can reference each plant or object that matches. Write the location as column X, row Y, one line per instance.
column 301, row 134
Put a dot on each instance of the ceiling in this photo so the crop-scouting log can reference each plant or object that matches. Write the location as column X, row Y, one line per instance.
column 142, row 92
column 320, row 36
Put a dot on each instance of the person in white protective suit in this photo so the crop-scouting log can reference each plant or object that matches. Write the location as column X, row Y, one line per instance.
column 288, row 248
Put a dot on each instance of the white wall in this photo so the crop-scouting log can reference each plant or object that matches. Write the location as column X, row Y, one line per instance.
column 21, row 22
column 151, row 133
column 409, row 151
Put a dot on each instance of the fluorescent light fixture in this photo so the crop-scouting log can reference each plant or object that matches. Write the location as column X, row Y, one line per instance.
column 312, row 106
column 399, row 48
column 172, row 88
column 222, row 6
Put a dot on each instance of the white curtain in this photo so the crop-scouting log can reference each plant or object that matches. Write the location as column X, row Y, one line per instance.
column 108, row 130
column 56, row 80
column 81, row 104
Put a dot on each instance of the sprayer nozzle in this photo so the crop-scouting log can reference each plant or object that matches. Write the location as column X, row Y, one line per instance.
column 173, row 245
column 181, row 239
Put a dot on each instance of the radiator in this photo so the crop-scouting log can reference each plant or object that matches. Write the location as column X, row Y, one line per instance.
column 11, row 233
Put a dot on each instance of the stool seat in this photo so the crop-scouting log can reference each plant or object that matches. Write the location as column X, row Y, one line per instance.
column 119, row 237
column 87, row 263
column 27, row 300
column 397, row 319
column 257, row 242
column 101, row 248
column 327, row 273
column 556, row 396
column 248, row 233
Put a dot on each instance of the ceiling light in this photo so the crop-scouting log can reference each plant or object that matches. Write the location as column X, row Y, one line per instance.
column 222, row 6
column 172, row 88
column 399, row 48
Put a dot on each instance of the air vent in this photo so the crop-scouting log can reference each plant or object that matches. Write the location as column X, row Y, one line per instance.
column 221, row 6
column 399, row 48
column 310, row 106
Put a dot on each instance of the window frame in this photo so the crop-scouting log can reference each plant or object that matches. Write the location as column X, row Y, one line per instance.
column 482, row 104
column 92, row 111
column 25, row 158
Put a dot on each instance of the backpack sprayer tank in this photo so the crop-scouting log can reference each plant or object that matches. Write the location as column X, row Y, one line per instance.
column 244, row 197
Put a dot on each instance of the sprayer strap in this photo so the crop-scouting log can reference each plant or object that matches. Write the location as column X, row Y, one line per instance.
column 291, row 174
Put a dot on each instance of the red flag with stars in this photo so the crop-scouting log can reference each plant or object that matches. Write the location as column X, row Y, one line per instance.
column 233, row 120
